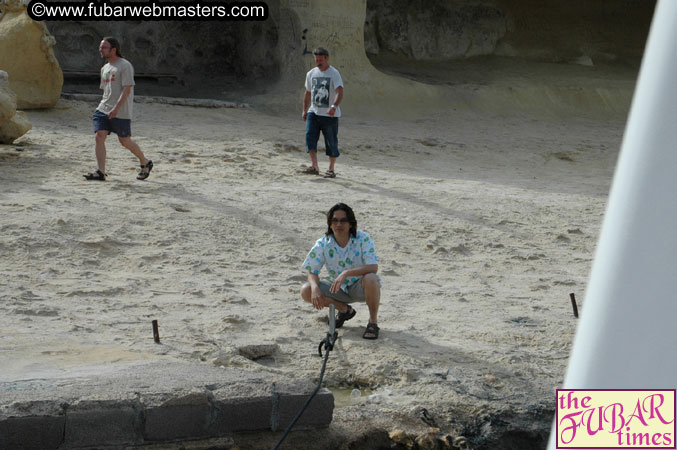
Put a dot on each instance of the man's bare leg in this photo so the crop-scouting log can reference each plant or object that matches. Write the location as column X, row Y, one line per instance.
column 313, row 159
column 332, row 161
column 100, row 149
column 372, row 295
column 133, row 147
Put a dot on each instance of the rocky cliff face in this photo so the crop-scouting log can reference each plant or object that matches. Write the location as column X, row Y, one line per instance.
column 434, row 30
column 188, row 51
column 546, row 30
column 576, row 31
column 399, row 37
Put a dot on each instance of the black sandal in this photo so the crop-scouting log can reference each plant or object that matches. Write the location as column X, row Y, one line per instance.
column 310, row 171
column 143, row 174
column 98, row 176
column 343, row 316
column 371, row 332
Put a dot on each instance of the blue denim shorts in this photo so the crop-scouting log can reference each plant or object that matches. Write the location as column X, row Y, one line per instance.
column 329, row 128
column 121, row 127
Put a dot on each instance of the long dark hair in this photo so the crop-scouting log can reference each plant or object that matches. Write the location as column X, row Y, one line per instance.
column 349, row 214
column 114, row 43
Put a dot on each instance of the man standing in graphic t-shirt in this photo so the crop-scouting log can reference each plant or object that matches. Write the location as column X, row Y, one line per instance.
column 114, row 113
column 324, row 92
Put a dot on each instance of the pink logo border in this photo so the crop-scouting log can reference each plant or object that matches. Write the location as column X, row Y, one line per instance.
column 674, row 394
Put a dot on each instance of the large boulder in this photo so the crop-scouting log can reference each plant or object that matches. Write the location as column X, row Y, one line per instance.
column 13, row 123
column 26, row 54
column 7, row 98
column 14, row 128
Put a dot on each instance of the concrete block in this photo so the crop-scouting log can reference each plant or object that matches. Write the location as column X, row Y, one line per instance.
column 103, row 423
column 189, row 416
column 318, row 413
column 32, row 432
column 241, row 414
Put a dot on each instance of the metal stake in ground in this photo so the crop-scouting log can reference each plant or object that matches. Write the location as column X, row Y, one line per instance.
column 156, row 332
column 573, row 304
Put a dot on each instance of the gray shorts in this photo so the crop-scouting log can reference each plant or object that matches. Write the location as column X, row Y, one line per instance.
column 355, row 292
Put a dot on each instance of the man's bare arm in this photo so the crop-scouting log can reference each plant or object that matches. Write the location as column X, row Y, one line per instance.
column 306, row 105
column 126, row 90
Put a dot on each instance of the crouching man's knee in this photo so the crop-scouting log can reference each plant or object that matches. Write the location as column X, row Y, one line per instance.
column 370, row 280
column 306, row 292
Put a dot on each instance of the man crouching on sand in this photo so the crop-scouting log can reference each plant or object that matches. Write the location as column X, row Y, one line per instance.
column 352, row 263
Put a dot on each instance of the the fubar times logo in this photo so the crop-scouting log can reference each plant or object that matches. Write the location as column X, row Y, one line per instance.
column 622, row 418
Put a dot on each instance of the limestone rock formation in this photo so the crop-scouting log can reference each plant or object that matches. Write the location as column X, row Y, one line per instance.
column 569, row 31
column 14, row 128
column 13, row 123
column 395, row 56
column 7, row 98
column 26, row 55
column 434, row 30
column 339, row 27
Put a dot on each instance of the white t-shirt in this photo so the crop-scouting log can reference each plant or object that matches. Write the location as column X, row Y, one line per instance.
column 114, row 76
column 322, row 87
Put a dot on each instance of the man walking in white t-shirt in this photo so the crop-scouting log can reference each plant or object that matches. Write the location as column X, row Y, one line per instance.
column 114, row 113
column 324, row 92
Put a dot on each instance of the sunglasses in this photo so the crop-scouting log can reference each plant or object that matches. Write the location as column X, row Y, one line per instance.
column 341, row 220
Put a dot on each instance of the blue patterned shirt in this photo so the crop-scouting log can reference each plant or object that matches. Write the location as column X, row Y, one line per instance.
column 359, row 252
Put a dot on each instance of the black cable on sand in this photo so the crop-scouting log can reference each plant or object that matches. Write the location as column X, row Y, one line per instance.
column 328, row 346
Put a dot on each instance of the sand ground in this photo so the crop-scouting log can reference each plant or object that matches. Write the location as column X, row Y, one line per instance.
column 484, row 223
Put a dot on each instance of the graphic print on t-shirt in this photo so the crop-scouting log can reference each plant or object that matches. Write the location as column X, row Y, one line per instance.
column 321, row 91
column 109, row 77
